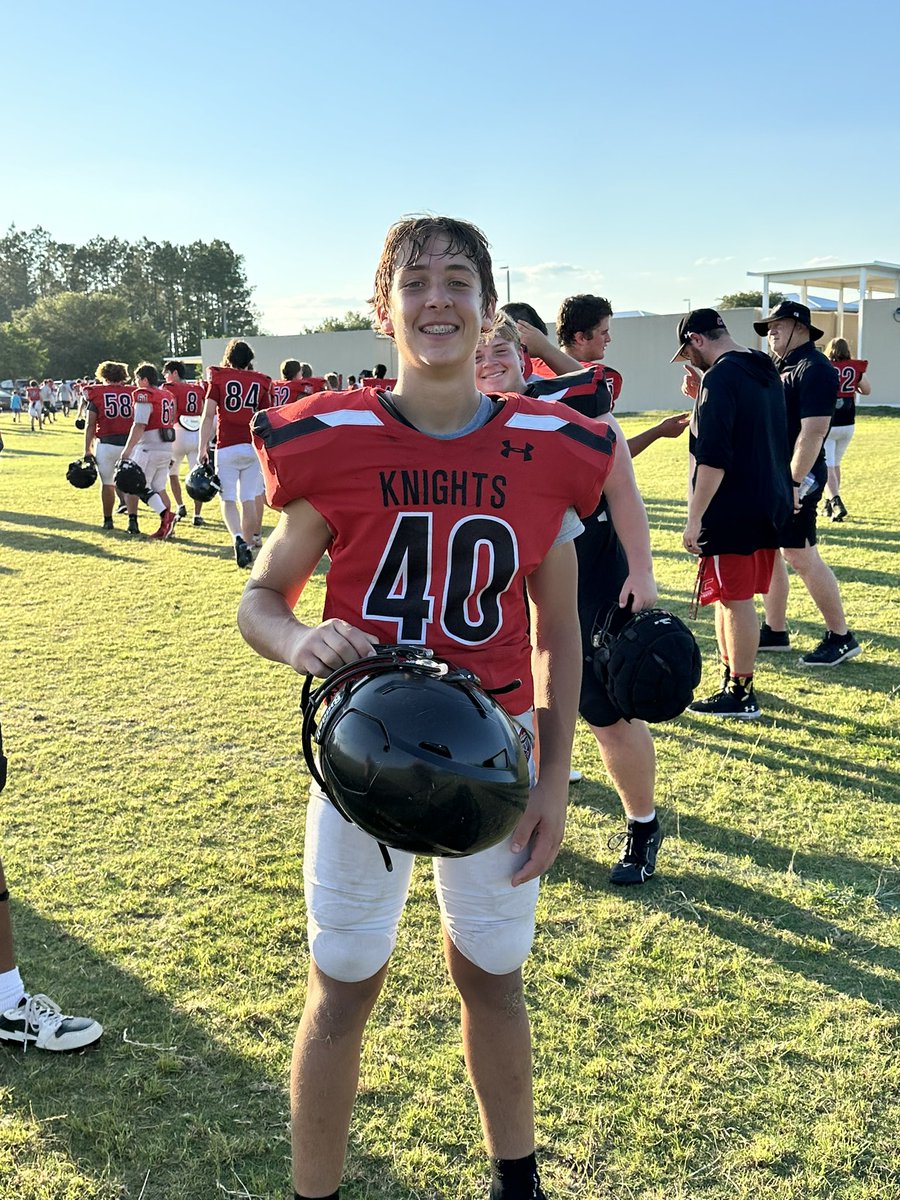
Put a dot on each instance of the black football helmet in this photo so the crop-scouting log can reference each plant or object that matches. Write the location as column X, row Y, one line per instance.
column 129, row 478
column 416, row 753
column 648, row 661
column 202, row 483
column 82, row 473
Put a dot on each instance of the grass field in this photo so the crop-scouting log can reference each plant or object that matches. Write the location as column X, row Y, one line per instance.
column 730, row 1030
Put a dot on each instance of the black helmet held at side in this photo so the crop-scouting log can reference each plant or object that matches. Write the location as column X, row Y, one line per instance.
column 416, row 753
column 202, row 483
column 82, row 473
column 648, row 661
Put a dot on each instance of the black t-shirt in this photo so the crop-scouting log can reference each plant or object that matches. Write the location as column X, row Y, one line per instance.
column 739, row 426
column 810, row 390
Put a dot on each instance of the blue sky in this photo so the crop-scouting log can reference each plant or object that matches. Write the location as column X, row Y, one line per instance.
column 651, row 152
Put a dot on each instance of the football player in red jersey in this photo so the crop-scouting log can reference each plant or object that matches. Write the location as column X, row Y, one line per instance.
column 614, row 564
column 110, row 411
column 150, row 443
column 189, row 398
column 233, row 394
column 292, row 385
column 359, row 475
column 852, row 375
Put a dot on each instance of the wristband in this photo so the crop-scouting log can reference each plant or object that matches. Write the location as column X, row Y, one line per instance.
column 795, row 483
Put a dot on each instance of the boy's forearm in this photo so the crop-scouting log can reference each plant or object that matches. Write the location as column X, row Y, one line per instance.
column 267, row 623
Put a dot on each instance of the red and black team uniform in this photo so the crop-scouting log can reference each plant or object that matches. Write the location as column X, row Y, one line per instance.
column 155, row 409
column 537, row 366
column 112, row 405
column 286, row 391
column 602, row 565
column 189, row 400
column 850, row 372
column 238, row 395
column 433, row 537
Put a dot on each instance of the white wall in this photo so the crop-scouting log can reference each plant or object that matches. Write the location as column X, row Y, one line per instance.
column 641, row 348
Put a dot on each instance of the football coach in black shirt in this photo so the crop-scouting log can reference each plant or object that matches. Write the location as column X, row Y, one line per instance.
column 810, row 392
column 739, row 497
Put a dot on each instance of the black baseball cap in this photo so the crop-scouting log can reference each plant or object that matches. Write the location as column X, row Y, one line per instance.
column 701, row 320
column 788, row 310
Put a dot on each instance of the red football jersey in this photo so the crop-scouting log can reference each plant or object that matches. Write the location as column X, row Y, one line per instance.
column 286, row 391
column 433, row 537
column 613, row 377
column 162, row 407
column 114, row 405
column 189, row 397
column 850, row 372
column 32, row 394
column 237, row 395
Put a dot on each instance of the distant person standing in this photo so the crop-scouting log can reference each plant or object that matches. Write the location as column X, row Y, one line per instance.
column 64, row 396
column 739, row 496
column 150, row 443
column 292, row 384
column 234, row 393
column 15, row 406
column 810, row 392
column 189, row 399
column 852, row 379
column 35, row 405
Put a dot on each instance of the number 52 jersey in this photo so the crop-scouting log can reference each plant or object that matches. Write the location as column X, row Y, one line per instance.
column 433, row 537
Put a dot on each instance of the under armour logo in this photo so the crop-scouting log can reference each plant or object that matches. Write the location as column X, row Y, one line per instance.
column 509, row 448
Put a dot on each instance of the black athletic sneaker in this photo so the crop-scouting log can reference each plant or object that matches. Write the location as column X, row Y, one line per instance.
column 728, row 704
column 243, row 555
column 133, row 525
column 834, row 648
column 827, row 509
column 638, row 861
column 770, row 640
column 122, row 509
column 108, row 523
column 838, row 509
column 180, row 512
column 198, row 520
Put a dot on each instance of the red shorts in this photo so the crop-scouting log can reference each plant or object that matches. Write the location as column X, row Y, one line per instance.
column 735, row 576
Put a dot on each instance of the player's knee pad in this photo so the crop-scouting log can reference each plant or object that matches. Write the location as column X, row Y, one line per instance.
column 349, row 957
column 497, row 950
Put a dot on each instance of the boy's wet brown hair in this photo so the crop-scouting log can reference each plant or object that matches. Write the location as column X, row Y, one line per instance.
column 406, row 241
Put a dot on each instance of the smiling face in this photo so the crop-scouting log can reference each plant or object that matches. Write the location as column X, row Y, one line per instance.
column 499, row 366
column 434, row 310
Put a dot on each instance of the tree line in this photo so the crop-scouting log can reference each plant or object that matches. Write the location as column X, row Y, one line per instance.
column 64, row 308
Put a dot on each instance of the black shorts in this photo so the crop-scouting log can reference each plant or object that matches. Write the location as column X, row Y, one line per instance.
column 602, row 569
column 800, row 530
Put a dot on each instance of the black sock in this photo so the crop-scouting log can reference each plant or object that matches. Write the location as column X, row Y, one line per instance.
column 515, row 1179
column 741, row 685
column 641, row 830
column 331, row 1196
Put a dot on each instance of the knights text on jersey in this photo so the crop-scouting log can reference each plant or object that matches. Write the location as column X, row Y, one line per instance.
column 237, row 396
column 432, row 537
column 113, row 404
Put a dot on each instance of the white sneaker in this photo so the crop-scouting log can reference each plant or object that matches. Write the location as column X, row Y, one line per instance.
column 38, row 1020
column 575, row 776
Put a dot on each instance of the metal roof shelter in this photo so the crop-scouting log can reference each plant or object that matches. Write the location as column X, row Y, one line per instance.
column 864, row 278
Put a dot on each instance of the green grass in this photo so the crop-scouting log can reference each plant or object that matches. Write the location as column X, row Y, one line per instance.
column 727, row 1031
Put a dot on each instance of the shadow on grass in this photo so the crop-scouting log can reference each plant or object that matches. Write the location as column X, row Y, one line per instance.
column 58, row 543
column 767, row 925
column 171, row 1111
